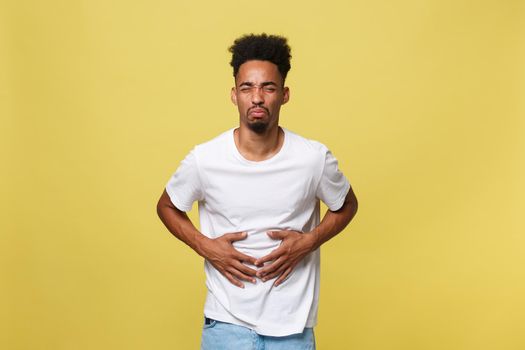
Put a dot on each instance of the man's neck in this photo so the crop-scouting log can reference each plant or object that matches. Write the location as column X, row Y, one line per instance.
column 258, row 147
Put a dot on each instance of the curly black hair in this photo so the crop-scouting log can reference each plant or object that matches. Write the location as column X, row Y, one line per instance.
column 263, row 47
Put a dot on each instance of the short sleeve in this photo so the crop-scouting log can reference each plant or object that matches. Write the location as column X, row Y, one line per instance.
column 333, row 185
column 184, row 187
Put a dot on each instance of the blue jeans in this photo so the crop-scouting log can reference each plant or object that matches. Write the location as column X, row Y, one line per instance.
column 218, row 335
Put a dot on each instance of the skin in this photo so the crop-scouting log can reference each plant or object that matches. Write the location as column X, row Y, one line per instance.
column 259, row 93
column 259, row 87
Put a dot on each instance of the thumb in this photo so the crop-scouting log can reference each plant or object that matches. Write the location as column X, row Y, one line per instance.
column 277, row 234
column 235, row 236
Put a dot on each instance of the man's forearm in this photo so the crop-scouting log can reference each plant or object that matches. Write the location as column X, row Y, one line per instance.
column 335, row 221
column 180, row 225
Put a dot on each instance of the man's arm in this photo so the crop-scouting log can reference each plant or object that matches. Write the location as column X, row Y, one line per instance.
column 295, row 245
column 219, row 251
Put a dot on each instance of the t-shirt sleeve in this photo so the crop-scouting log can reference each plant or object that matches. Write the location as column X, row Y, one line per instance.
column 184, row 187
column 333, row 185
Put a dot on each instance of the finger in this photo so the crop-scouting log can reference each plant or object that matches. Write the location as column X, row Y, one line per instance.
column 244, row 258
column 240, row 276
column 244, row 269
column 283, row 277
column 271, row 268
column 232, row 279
column 275, row 273
column 277, row 234
column 272, row 256
column 235, row 236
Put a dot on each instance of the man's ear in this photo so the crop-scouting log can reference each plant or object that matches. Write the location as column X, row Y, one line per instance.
column 233, row 96
column 286, row 94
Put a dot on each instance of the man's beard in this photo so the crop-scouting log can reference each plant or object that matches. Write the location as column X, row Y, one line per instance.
column 258, row 127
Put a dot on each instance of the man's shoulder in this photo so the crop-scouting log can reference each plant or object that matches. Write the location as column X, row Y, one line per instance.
column 215, row 144
column 305, row 144
column 223, row 137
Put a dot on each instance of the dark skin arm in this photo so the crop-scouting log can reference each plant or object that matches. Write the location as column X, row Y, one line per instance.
column 296, row 245
column 219, row 251
column 230, row 262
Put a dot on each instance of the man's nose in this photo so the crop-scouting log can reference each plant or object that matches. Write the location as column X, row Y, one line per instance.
column 257, row 95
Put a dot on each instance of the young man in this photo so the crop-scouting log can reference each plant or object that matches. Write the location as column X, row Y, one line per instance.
column 258, row 187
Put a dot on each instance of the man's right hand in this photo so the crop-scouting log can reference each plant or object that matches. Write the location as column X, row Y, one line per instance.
column 228, row 260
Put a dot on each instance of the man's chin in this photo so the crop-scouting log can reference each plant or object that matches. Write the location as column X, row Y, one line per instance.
column 258, row 127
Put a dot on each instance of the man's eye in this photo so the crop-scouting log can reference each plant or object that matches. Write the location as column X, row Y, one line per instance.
column 269, row 89
column 246, row 89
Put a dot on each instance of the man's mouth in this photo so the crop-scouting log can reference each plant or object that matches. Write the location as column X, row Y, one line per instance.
column 258, row 112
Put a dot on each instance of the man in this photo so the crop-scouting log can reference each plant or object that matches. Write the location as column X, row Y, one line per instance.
column 258, row 187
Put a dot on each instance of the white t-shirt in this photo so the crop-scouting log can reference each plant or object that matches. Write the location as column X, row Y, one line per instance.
column 279, row 193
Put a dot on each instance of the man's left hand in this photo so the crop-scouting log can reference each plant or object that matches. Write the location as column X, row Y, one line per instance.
column 293, row 248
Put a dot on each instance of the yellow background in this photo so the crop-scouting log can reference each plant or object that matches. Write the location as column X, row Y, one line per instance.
column 422, row 102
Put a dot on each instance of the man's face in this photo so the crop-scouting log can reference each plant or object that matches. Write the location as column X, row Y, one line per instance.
column 259, row 94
